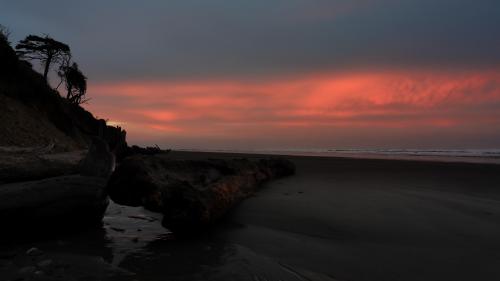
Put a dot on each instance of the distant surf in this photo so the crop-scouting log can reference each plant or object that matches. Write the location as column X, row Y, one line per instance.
column 442, row 155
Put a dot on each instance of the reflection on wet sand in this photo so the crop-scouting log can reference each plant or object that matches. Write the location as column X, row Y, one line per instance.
column 142, row 247
column 132, row 244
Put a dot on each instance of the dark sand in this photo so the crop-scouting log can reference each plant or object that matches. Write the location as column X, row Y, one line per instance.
column 336, row 219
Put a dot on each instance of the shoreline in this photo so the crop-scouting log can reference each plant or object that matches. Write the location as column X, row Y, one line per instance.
column 494, row 160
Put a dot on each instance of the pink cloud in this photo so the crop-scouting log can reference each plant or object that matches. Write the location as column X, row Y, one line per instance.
column 291, row 106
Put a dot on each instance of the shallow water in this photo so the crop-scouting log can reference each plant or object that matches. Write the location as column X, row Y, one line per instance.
column 154, row 252
column 132, row 245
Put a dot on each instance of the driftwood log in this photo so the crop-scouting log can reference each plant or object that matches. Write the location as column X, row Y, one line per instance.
column 23, row 166
column 53, row 202
column 191, row 194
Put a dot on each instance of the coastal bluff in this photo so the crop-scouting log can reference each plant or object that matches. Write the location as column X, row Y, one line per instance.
column 48, row 177
column 57, row 164
column 33, row 115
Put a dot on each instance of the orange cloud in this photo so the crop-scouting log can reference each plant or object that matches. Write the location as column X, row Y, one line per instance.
column 324, row 105
column 158, row 115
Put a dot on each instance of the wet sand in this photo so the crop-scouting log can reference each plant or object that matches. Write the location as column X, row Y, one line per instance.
column 336, row 219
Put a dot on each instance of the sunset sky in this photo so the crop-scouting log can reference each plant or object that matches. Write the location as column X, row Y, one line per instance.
column 285, row 73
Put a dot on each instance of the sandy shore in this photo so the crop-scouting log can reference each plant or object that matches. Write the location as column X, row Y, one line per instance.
column 355, row 219
column 336, row 219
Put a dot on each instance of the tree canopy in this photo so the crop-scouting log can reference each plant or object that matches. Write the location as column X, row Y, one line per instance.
column 4, row 33
column 44, row 49
column 76, row 83
column 50, row 51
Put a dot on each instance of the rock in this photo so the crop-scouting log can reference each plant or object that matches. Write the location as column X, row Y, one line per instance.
column 191, row 194
column 34, row 252
column 99, row 162
column 142, row 217
column 57, row 202
column 117, row 229
column 39, row 274
column 44, row 263
column 115, row 137
column 149, row 150
column 27, row 270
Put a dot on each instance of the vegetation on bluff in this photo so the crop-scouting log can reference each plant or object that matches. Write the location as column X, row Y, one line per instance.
column 50, row 51
column 34, row 113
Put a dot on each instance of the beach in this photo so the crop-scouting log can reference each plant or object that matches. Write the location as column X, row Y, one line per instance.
column 250, row 141
column 336, row 219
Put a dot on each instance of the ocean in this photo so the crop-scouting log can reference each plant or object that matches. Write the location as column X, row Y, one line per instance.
column 442, row 155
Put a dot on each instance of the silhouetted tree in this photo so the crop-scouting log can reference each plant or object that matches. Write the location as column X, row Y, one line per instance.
column 64, row 64
column 76, row 83
column 4, row 33
column 44, row 49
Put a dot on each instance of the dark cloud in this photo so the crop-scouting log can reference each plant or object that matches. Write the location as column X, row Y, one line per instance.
column 186, row 38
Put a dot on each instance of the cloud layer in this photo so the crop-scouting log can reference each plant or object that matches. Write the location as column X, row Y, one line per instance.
column 295, row 73
column 220, row 38
column 325, row 110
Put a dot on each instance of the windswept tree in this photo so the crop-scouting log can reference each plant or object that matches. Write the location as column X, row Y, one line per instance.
column 45, row 49
column 4, row 33
column 76, row 83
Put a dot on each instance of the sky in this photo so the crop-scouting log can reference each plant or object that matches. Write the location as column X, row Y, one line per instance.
column 283, row 74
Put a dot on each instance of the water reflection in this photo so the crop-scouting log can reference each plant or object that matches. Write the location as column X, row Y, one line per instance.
column 132, row 244
column 130, row 229
column 142, row 246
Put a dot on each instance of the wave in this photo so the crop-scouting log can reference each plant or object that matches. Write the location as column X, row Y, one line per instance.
column 446, row 155
column 426, row 152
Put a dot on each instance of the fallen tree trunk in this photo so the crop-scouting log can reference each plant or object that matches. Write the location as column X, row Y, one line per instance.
column 56, row 202
column 191, row 194
column 17, row 166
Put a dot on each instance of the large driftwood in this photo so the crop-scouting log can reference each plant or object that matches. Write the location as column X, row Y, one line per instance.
column 191, row 194
column 16, row 166
column 58, row 201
